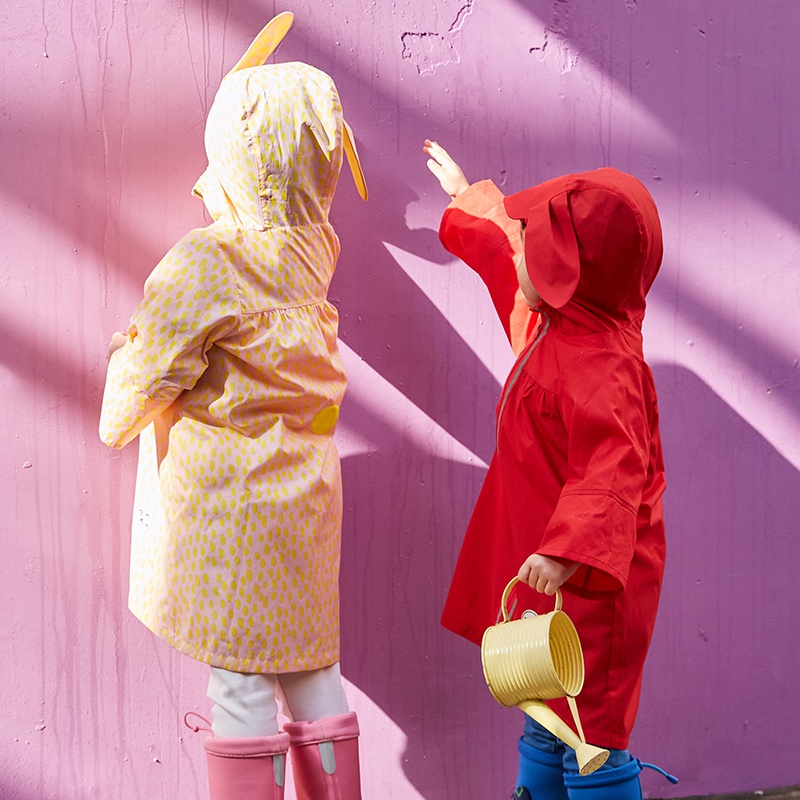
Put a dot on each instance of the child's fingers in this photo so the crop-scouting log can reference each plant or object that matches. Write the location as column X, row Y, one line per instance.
column 436, row 168
column 435, row 156
column 437, row 151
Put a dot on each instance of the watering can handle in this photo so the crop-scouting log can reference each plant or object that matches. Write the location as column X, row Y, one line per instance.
column 507, row 591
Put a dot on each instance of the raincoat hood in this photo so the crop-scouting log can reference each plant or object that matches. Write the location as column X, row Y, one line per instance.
column 274, row 141
column 274, row 138
column 592, row 243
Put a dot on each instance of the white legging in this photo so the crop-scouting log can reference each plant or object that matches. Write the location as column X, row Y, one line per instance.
column 245, row 703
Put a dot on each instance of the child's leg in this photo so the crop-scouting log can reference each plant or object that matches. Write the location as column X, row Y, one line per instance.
column 616, row 758
column 548, row 769
column 323, row 738
column 617, row 779
column 246, row 755
column 315, row 694
column 540, row 775
column 244, row 703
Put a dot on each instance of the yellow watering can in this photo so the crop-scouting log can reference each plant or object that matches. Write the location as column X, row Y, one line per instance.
column 528, row 660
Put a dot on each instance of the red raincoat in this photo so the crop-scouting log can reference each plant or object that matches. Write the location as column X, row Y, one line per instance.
column 578, row 471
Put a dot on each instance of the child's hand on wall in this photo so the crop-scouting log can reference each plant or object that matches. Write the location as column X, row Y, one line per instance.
column 445, row 169
column 546, row 574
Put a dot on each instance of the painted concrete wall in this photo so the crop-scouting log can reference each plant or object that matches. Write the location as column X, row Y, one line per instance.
column 101, row 121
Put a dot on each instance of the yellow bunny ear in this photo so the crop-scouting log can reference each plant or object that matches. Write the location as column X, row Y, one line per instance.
column 266, row 42
column 353, row 161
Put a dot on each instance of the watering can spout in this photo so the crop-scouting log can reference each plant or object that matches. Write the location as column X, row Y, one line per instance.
column 590, row 758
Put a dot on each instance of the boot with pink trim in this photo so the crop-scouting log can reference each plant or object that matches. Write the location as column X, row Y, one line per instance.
column 247, row 768
column 324, row 758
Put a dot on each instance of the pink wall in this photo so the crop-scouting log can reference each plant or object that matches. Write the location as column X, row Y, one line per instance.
column 101, row 122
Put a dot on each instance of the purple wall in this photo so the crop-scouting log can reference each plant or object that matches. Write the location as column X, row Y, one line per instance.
column 101, row 122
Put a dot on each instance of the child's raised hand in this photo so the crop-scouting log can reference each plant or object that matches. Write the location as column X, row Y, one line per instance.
column 546, row 574
column 445, row 169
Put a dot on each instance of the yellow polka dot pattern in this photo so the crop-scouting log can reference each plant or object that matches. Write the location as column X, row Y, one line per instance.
column 285, row 121
column 237, row 513
column 325, row 420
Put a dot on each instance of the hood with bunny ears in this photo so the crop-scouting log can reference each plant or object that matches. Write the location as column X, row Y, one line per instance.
column 592, row 239
column 275, row 140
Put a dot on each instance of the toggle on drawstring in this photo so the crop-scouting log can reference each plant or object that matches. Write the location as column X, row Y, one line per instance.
column 196, row 728
column 670, row 778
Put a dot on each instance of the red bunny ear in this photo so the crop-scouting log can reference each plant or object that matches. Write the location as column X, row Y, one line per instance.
column 551, row 250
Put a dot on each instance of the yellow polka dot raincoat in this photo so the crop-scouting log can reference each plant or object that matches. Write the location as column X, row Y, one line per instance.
column 231, row 374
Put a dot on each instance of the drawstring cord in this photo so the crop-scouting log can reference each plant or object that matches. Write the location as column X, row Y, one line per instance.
column 197, row 728
column 670, row 778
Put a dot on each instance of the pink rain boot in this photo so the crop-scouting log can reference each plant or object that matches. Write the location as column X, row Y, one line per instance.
column 246, row 769
column 324, row 756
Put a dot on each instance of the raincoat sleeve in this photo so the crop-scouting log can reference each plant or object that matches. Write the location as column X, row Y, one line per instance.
column 190, row 300
column 476, row 229
column 609, row 429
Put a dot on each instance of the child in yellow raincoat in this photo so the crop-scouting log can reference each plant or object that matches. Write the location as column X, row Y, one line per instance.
column 229, row 373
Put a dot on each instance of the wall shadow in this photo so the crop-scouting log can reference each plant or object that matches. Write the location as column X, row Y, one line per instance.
column 723, row 660
column 725, row 636
column 384, row 317
column 398, row 554
column 718, row 76
column 395, row 327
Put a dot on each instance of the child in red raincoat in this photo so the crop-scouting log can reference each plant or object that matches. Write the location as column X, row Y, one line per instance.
column 572, row 498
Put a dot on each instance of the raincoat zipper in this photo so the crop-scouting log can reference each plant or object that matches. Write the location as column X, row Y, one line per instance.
column 515, row 376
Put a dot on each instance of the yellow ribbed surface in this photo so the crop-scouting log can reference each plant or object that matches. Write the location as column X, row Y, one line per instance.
column 538, row 657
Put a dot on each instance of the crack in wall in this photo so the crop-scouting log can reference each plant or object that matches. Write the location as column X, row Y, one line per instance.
column 429, row 50
column 462, row 15
column 555, row 50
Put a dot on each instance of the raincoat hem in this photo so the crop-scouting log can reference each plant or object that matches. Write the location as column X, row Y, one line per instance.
column 244, row 665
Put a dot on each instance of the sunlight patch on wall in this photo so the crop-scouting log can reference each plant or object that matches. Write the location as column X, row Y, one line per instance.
column 410, row 426
column 741, row 385
column 393, row 744
column 462, row 297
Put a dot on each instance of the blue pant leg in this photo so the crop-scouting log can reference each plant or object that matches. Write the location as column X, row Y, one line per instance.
column 617, row 779
column 616, row 758
column 541, row 755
